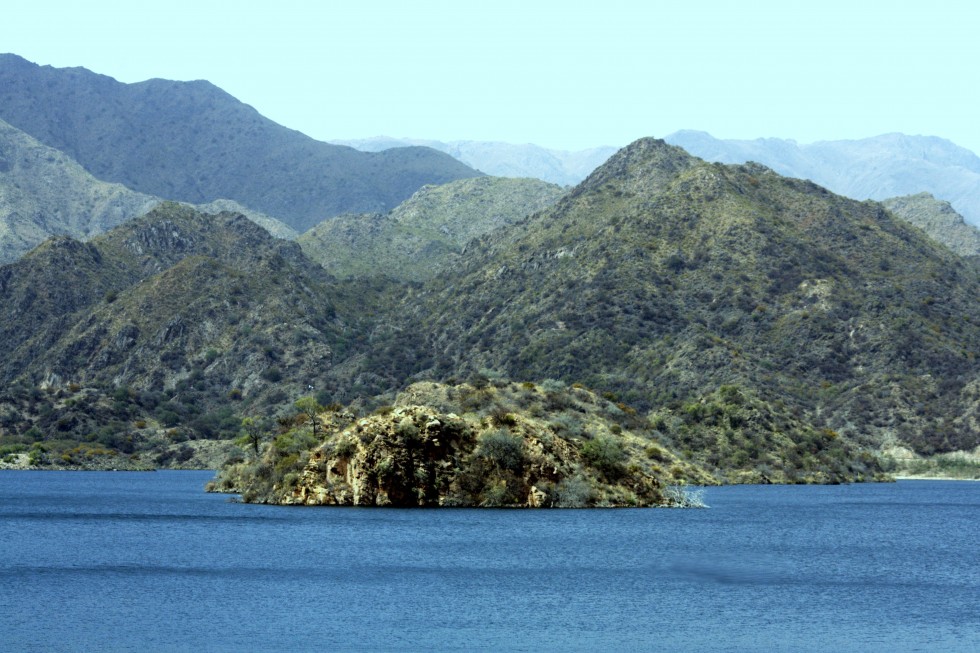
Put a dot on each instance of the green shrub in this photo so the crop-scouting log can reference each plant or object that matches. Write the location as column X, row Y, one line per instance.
column 567, row 426
column 606, row 455
column 272, row 374
column 407, row 431
column 345, row 448
column 500, row 416
column 504, row 450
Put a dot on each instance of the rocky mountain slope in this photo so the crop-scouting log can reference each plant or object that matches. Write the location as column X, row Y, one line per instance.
column 426, row 233
column 877, row 168
column 171, row 325
column 191, row 141
column 938, row 219
column 44, row 192
column 140, row 305
column 562, row 167
column 663, row 278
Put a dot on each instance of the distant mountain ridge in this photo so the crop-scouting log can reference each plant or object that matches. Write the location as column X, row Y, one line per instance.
column 877, row 168
column 44, row 193
column 191, row 141
column 562, row 167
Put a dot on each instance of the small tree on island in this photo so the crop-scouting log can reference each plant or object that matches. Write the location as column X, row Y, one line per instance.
column 310, row 407
column 253, row 430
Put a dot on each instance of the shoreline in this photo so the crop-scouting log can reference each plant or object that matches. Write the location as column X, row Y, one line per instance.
column 934, row 478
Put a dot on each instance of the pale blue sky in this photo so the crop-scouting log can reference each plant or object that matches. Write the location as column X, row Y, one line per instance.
column 561, row 74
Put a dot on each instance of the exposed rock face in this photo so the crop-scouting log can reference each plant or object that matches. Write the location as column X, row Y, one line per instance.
column 406, row 458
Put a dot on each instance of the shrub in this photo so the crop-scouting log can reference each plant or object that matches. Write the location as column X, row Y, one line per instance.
column 501, row 417
column 345, row 448
column 658, row 453
column 553, row 385
column 606, row 455
column 504, row 450
column 567, row 426
column 573, row 492
column 272, row 374
column 682, row 496
column 407, row 431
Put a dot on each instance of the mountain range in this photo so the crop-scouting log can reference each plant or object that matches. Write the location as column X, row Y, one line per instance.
column 44, row 193
column 879, row 168
column 192, row 142
column 760, row 326
column 562, row 167
column 876, row 168
column 757, row 326
column 662, row 278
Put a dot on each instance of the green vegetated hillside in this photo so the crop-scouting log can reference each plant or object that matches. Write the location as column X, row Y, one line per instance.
column 756, row 327
column 426, row 233
column 938, row 219
column 742, row 309
column 171, row 325
column 191, row 141
column 491, row 445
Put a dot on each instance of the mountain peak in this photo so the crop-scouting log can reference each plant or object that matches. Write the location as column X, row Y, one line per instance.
column 643, row 164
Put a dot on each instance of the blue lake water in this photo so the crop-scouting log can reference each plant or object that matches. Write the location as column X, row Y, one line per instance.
column 122, row 561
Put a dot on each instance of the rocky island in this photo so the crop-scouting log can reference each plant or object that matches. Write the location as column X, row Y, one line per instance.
column 492, row 445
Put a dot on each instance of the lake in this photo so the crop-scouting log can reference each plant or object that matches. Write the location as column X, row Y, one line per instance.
column 121, row 561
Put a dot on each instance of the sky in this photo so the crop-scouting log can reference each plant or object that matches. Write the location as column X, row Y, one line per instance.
column 561, row 74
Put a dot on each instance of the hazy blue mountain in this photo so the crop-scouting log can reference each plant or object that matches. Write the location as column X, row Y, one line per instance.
column 562, row 167
column 44, row 193
column 876, row 168
column 191, row 141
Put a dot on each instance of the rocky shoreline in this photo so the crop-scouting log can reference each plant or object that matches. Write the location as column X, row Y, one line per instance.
column 193, row 455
